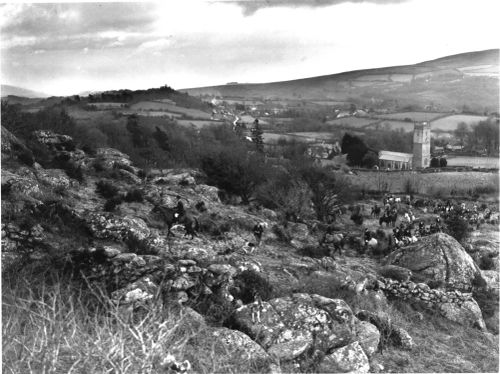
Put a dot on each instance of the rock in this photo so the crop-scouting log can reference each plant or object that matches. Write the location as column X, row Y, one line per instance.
column 210, row 193
column 395, row 272
column 184, row 282
column 400, row 338
column 348, row 359
column 220, row 269
column 368, row 336
column 438, row 258
column 467, row 314
column 26, row 184
column 12, row 147
column 230, row 348
column 109, row 226
column 55, row 178
column 110, row 157
column 492, row 278
column 139, row 291
column 290, row 325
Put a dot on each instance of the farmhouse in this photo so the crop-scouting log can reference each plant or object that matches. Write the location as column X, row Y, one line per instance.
column 421, row 156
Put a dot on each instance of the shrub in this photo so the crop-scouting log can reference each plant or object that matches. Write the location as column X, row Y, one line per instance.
column 111, row 203
column 486, row 263
column 314, row 251
column 26, row 157
column 106, row 189
column 249, row 283
column 281, row 233
column 457, row 227
column 134, row 195
column 74, row 171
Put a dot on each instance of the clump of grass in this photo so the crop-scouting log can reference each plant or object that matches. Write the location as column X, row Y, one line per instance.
column 52, row 324
column 106, row 189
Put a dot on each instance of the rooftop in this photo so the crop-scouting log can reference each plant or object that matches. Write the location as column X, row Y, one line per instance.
column 395, row 156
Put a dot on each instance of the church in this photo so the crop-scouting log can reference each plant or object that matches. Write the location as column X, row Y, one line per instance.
column 421, row 156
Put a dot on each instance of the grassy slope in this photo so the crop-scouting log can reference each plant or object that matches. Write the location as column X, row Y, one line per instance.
column 451, row 91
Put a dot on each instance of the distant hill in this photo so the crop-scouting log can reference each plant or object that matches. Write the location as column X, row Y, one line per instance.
column 448, row 83
column 7, row 90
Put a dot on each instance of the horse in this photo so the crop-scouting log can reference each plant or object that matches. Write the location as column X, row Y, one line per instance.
column 388, row 218
column 189, row 222
column 168, row 216
column 375, row 211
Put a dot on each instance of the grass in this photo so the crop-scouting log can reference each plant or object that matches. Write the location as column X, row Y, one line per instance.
column 53, row 324
column 414, row 116
column 462, row 183
column 450, row 123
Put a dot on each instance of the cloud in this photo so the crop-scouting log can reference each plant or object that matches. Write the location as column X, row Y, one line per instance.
column 251, row 6
column 44, row 20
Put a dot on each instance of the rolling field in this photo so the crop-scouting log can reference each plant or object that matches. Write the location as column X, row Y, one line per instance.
column 197, row 123
column 314, row 135
column 152, row 113
column 352, row 122
column 391, row 125
column 414, row 116
column 272, row 138
column 166, row 107
column 450, row 123
column 482, row 162
column 107, row 105
column 424, row 182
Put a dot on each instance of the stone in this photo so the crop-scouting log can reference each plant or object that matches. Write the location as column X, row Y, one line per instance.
column 467, row 314
column 438, row 258
column 220, row 269
column 398, row 273
column 368, row 336
column 348, row 359
column 291, row 325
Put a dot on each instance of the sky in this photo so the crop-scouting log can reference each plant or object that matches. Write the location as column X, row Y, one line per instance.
column 69, row 48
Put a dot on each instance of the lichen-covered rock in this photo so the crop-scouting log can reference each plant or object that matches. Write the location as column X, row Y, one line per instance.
column 55, row 178
column 109, row 226
column 110, row 157
column 467, row 313
column 210, row 193
column 368, row 336
column 290, row 325
column 492, row 278
column 11, row 146
column 348, row 359
column 54, row 142
column 395, row 272
column 25, row 184
column 438, row 258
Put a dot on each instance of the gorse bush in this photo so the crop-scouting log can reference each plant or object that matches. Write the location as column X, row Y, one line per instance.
column 248, row 284
column 134, row 195
column 457, row 227
column 106, row 189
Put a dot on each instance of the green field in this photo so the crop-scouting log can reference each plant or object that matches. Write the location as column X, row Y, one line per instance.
column 450, row 123
column 272, row 138
column 352, row 122
column 391, row 125
column 152, row 113
column 312, row 136
column 414, row 116
column 482, row 162
column 165, row 107
column 197, row 123
column 424, row 182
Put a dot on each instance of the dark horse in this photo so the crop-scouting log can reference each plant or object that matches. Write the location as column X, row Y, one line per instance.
column 389, row 218
column 375, row 211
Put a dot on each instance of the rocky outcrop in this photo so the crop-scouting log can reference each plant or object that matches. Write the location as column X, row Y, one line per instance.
column 289, row 326
column 368, row 336
column 389, row 330
column 438, row 259
column 467, row 313
column 348, row 359
column 12, row 147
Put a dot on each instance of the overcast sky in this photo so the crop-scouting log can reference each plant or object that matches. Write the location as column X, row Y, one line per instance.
column 67, row 48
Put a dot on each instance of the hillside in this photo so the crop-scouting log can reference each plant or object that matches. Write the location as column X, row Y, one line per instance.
column 7, row 90
column 451, row 82
column 93, row 282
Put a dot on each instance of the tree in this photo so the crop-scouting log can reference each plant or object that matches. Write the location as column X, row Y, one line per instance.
column 355, row 149
column 442, row 162
column 257, row 136
column 434, row 162
column 370, row 160
column 235, row 171
column 328, row 190
column 461, row 132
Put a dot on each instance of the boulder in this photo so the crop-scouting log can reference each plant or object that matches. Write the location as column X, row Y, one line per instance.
column 438, row 258
column 209, row 193
column 395, row 272
column 492, row 278
column 109, row 226
column 368, row 336
column 12, row 147
column 54, row 178
column 24, row 184
column 291, row 325
column 348, row 359
column 110, row 157
column 220, row 347
column 466, row 313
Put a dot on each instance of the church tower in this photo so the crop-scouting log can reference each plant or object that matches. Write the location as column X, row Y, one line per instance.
column 421, row 145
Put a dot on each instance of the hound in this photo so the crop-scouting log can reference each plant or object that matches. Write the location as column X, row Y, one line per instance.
column 257, row 307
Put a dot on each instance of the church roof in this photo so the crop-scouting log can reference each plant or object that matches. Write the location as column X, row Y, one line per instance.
column 395, row 156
